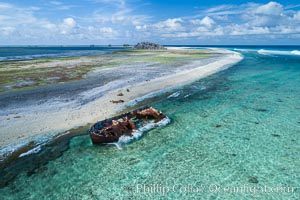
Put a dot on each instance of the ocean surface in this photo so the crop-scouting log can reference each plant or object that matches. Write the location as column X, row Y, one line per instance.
column 233, row 135
column 35, row 52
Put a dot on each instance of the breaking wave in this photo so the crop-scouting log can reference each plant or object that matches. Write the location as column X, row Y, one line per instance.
column 138, row 133
column 175, row 94
column 296, row 52
column 31, row 151
column 278, row 53
column 244, row 50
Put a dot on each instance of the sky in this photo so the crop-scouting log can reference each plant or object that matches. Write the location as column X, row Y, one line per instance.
column 193, row 22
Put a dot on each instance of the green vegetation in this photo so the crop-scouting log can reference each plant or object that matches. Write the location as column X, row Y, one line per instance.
column 34, row 73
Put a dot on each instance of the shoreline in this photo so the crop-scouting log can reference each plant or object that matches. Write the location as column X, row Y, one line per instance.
column 39, row 123
column 185, row 77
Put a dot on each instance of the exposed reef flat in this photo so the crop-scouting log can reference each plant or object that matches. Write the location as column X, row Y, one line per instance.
column 86, row 89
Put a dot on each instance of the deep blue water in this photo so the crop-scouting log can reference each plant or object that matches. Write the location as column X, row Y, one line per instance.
column 34, row 52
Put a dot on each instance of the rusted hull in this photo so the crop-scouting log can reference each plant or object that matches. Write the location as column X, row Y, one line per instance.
column 110, row 130
column 97, row 139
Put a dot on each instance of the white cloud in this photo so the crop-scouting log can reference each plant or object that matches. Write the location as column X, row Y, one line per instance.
column 114, row 23
column 265, row 21
column 139, row 27
column 206, row 21
column 67, row 25
column 122, row 17
column 100, row 33
column 174, row 24
column 16, row 16
column 49, row 26
column 3, row 18
column 58, row 5
column 271, row 8
column 268, row 15
column 64, row 7
column 297, row 16
column 5, row 5
column 268, row 21
column 56, row 2
column 6, row 31
column 219, row 8
column 117, row 3
column 106, row 30
column 239, row 30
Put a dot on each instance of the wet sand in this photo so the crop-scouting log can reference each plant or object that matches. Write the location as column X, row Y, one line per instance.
column 38, row 113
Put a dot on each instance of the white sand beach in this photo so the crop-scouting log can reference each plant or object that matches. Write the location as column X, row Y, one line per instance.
column 56, row 116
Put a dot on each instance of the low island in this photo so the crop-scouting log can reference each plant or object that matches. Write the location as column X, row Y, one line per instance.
column 44, row 97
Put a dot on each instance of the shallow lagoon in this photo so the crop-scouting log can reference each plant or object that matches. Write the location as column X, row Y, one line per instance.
column 238, row 127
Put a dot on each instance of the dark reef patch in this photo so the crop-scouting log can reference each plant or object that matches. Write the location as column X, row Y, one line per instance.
column 253, row 180
column 275, row 135
column 261, row 109
column 35, row 163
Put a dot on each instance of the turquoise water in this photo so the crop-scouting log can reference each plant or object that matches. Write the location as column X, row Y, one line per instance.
column 238, row 128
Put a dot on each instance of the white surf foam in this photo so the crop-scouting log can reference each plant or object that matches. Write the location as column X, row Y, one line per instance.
column 296, row 52
column 174, row 95
column 126, row 139
column 278, row 53
column 144, row 97
column 244, row 50
column 178, row 48
column 40, row 141
column 31, row 151
column 138, row 133
column 163, row 122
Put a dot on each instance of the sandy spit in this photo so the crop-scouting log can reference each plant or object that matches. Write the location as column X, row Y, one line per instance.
column 57, row 117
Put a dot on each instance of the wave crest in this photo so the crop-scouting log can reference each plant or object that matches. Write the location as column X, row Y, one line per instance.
column 138, row 133
column 278, row 53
